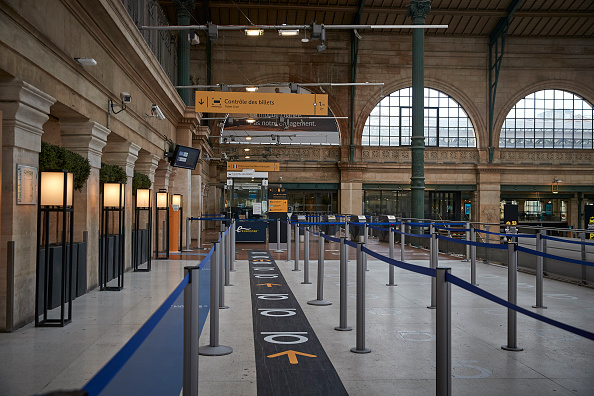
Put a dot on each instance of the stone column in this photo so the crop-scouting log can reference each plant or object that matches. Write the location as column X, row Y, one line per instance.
column 87, row 138
column 351, row 187
column 488, row 195
column 146, row 164
column 25, row 109
column 124, row 154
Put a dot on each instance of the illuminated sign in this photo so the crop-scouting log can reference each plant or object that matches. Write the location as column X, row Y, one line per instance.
column 256, row 103
column 256, row 166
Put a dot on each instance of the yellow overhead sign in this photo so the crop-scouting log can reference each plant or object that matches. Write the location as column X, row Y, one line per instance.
column 256, row 166
column 277, row 205
column 261, row 103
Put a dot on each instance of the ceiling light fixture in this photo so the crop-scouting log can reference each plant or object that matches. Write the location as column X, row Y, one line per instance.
column 251, row 89
column 86, row 61
column 248, row 138
column 254, row 32
column 250, row 120
column 288, row 32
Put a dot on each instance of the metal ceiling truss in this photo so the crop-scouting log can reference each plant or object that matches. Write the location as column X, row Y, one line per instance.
column 496, row 50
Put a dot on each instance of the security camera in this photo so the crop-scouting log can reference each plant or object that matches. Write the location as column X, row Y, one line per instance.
column 126, row 97
column 156, row 112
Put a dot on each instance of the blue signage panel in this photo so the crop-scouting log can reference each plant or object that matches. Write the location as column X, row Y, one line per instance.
column 250, row 231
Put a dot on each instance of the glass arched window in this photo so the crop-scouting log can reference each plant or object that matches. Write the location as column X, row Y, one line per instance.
column 446, row 123
column 549, row 119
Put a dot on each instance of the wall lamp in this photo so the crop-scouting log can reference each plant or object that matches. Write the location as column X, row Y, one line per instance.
column 555, row 185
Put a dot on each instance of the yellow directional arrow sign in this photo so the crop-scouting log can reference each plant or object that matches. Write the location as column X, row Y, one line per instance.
column 292, row 355
column 261, row 103
column 268, row 284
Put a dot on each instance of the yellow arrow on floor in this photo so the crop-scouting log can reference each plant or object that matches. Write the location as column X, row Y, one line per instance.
column 292, row 355
column 269, row 284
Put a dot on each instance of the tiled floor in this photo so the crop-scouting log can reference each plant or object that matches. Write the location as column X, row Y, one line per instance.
column 400, row 332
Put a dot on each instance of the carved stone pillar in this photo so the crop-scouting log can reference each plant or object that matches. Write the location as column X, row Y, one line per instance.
column 87, row 138
column 25, row 109
column 351, row 187
column 147, row 164
column 488, row 195
column 125, row 155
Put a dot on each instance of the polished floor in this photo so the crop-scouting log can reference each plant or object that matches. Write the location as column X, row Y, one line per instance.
column 400, row 332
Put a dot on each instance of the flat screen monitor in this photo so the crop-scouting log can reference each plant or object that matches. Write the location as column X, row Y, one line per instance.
column 185, row 157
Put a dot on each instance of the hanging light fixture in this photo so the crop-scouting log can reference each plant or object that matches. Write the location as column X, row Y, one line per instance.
column 254, row 32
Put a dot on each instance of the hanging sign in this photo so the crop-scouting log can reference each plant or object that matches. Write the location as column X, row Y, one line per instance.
column 256, row 166
column 258, row 103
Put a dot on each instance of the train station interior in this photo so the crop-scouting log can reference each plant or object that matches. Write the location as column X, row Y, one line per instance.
column 142, row 137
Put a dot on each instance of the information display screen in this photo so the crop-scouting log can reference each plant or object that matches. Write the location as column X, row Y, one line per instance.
column 185, row 157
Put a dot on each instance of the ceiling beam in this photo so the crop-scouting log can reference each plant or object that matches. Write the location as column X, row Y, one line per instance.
column 355, row 9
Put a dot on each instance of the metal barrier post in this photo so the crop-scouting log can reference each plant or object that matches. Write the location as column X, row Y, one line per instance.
column 199, row 234
column 584, row 268
column 296, row 267
column 512, row 297
column 228, row 258
column 233, row 231
column 402, row 241
column 390, row 266
column 221, row 269
column 342, row 323
column 467, row 239
column 213, row 348
column 191, row 332
column 288, row 239
column 443, row 329
column 320, row 296
column 306, row 257
column 487, row 228
column 473, row 257
column 433, row 263
column 539, row 272
column 346, row 228
column 360, row 348
column 278, row 234
column 365, row 240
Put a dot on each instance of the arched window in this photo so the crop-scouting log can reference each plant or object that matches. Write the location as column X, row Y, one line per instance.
column 446, row 123
column 549, row 119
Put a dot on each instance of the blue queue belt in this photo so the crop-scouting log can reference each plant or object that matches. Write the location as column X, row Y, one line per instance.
column 108, row 372
column 471, row 243
column 552, row 256
column 410, row 267
column 480, row 292
column 567, row 241
column 507, row 235
column 412, row 235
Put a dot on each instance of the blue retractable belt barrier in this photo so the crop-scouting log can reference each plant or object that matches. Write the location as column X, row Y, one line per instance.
column 106, row 374
column 478, row 291
column 567, row 241
column 471, row 243
column 413, row 235
column 410, row 267
column 552, row 256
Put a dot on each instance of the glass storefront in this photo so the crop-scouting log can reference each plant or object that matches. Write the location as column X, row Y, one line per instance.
column 246, row 199
column 537, row 210
column 385, row 202
column 313, row 201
